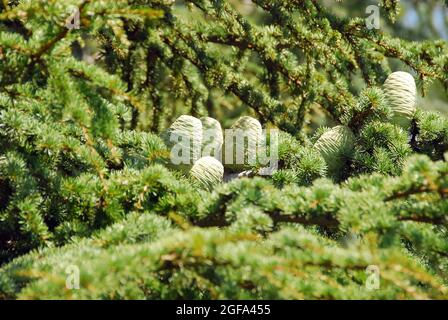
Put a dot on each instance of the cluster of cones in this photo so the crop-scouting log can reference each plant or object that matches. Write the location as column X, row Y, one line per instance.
column 204, row 138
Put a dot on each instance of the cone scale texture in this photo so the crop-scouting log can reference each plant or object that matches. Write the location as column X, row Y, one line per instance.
column 401, row 93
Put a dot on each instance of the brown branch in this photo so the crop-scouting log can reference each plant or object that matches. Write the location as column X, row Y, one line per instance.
column 422, row 219
column 47, row 46
column 233, row 87
column 443, row 192
column 327, row 221
column 61, row 35
column 219, row 220
column 359, row 118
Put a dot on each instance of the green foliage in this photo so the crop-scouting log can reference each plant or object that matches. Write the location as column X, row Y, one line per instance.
column 151, row 260
column 86, row 178
column 431, row 134
column 382, row 148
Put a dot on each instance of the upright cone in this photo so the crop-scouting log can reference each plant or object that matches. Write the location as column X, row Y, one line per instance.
column 242, row 152
column 208, row 172
column 184, row 137
column 401, row 94
column 212, row 138
column 333, row 145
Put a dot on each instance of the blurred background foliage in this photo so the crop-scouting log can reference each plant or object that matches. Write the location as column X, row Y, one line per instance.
column 416, row 21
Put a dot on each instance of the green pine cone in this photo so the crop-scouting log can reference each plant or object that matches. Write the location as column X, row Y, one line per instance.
column 184, row 135
column 401, row 94
column 238, row 154
column 208, row 172
column 333, row 145
column 212, row 138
